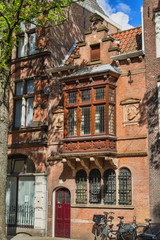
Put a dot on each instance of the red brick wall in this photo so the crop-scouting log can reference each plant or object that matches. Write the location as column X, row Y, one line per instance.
column 152, row 75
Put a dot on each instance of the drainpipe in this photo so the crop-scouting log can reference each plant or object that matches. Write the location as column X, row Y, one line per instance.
column 47, row 91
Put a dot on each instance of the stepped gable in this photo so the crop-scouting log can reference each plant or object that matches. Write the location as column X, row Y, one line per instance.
column 130, row 40
column 95, row 5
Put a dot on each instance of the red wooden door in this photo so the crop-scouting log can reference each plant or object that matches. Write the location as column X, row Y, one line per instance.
column 62, row 213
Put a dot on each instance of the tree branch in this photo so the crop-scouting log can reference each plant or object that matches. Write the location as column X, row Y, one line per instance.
column 2, row 15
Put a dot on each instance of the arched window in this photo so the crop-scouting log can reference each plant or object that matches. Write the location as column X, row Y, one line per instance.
column 125, row 188
column 81, row 187
column 109, row 190
column 20, row 164
column 95, row 186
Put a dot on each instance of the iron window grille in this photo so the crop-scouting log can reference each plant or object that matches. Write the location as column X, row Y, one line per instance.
column 95, row 186
column 125, row 189
column 81, row 187
column 109, row 190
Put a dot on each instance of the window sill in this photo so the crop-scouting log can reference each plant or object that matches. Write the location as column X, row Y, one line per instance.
column 89, row 137
column 29, row 57
column 28, row 129
column 102, row 206
column 94, row 62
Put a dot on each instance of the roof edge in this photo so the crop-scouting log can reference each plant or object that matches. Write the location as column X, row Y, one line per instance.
column 128, row 55
column 105, row 17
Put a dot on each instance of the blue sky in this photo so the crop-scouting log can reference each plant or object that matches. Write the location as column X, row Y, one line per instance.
column 125, row 12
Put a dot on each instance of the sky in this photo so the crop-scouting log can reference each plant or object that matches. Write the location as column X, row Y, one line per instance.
column 127, row 13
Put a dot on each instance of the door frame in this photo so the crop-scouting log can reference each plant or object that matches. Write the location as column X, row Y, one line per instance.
column 54, row 209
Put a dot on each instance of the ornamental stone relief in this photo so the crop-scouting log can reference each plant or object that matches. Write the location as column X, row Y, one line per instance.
column 58, row 116
column 130, row 111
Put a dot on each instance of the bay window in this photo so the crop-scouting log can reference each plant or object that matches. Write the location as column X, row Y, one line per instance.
column 90, row 111
column 24, row 99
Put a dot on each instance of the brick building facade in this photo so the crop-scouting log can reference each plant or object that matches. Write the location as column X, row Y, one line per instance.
column 151, row 37
column 78, row 131
column 98, row 157
column 38, row 50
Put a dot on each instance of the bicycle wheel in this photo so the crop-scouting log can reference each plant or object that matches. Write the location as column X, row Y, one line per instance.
column 97, row 235
column 142, row 229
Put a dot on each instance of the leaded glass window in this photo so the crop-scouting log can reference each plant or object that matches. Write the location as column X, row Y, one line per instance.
column 72, row 97
column 72, row 121
column 109, row 191
column 125, row 189
column 111, row 119
column 95, row 186
column 100, row 119
column 85, row 120
column 99, row 94
column 111, row 94
column 81, row 187
column 86, row 96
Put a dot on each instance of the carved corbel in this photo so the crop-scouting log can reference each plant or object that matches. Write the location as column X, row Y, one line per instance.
column 117, row 62
column 60, row 73
column 99, row 163
column 90, row 79
column 85, row 164
column 71, row 164
column 140, row 58
column 128, row 60
column 112, row 161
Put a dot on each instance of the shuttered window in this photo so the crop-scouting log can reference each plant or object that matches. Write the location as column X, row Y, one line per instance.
column 95, row 52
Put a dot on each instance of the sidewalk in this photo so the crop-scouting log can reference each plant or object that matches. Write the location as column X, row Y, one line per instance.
column 27, row 237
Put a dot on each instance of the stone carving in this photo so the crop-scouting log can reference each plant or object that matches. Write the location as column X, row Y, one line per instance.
column 99, row 144
column 130, row 111
column 84, row 145
column 70, row 146
column 58, row 119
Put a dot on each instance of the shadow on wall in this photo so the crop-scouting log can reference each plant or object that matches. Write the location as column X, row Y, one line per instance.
column 149, row 112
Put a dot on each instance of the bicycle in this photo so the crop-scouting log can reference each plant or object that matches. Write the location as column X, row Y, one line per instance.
column 100, row 228
column 147, row 232
column 125, row 231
